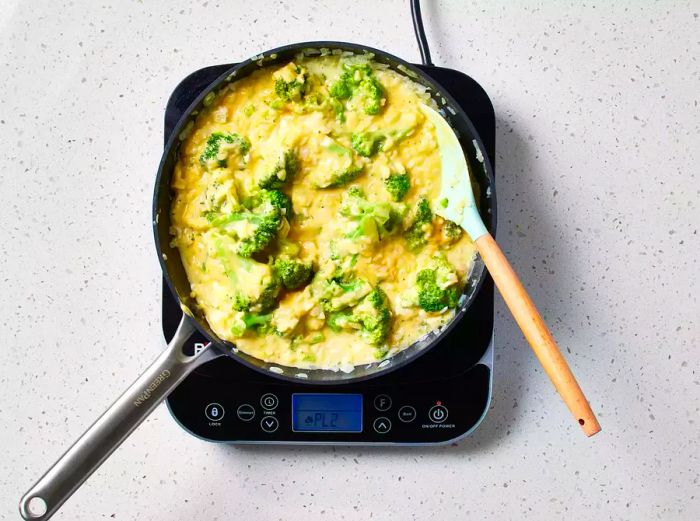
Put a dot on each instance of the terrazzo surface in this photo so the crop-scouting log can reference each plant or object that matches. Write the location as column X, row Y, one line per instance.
column 597, row 151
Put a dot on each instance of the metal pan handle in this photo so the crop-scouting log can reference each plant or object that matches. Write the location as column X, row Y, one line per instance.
column 113, row 427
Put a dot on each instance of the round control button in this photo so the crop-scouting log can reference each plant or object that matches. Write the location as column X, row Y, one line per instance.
column 269, row 424
column 246, row 412
column 214, row 412
column 269, row 401
column 382, row 425
column 382, row 402
column 407, row 414
column 437, row 413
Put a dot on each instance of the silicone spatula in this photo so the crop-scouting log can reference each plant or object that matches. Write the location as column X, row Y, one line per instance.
column 456, row 203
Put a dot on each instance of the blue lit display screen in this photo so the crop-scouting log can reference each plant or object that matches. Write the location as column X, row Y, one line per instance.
column 327, row 412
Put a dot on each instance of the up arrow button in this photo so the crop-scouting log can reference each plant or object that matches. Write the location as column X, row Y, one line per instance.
column 382, row 425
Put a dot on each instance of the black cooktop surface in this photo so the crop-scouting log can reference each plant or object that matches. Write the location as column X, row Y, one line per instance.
column 440, row 397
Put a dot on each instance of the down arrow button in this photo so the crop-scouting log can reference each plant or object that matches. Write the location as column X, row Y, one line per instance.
column 269, row 424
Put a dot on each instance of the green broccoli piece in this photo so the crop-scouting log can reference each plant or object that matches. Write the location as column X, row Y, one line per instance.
column 371, row 94
column 293, row 273
column 336, row 295
column 438, row 286
column 285, row 168
column 256, row 226
column 344, row 86
column 451, row 231
column 359, row 81
column 290, row 82
column 339, row 109
column 375, row 219
column 259, row 324
column 264, row 301
column 275, row 199
column 344, row 176
column 288, row 248
column 374, row 315
column 371, row 317
column 258, row 297
column 355, row 205
column 221, row 146
column 417, row 234
column 301, row 341
column 339, row 168
column 289, row 91
column 397, row 185
column 367, row 144
column 340, row 320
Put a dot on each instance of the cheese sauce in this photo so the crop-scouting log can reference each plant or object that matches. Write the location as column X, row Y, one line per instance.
column 301, row 108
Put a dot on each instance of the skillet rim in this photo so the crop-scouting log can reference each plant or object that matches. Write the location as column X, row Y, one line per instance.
column 422, row 345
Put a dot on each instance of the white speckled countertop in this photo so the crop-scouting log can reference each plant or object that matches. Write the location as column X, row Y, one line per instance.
column 598, row 151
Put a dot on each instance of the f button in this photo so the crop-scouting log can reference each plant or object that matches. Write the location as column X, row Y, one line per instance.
column 382, row 402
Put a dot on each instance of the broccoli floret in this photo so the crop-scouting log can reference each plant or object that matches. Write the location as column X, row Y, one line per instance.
column 344, row 176
column 256, row 226
column 375, row 219
column 417, row 234
column 221, row 146
column 340, row 320
column 338, row 167
column 359, row 81
column 285, row 168
column 265, row 301
column 374, row 315
column 355, row 205
column 272, row 208
column 344, row 86
column 301, row 341
column 290, row 82
column 451, row 232
column 289, row 91
column 438, row 286
column 371, row 94
column 259, row 324
column 275, row 199
column 423, row 213
column 397, row 185
column 339, row 110
column 256, row 298
column 371, row 317
column 367, row 144
column 336, row 295
column 293, row 273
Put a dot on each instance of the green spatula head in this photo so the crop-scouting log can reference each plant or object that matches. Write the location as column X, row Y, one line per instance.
column 456, row 201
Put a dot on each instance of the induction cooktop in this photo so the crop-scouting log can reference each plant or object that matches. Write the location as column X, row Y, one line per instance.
column 437, row 399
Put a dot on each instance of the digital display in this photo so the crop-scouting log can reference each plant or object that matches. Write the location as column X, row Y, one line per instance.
column 327, row 412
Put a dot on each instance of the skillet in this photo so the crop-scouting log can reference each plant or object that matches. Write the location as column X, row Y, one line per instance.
column 173, row 365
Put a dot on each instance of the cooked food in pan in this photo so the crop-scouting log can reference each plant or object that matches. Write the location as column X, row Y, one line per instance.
column 302, row 213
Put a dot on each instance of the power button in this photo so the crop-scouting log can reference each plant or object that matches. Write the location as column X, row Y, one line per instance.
column 437, row 413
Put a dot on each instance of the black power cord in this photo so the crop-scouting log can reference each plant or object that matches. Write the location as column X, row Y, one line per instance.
column 420, row 33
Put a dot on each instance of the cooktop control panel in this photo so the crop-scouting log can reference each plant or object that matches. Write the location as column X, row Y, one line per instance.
column 432, row 412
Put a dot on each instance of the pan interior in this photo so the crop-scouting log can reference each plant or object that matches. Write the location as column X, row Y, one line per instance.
column 170, row 257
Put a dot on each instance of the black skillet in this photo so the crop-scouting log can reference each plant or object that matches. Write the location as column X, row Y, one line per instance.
column 172, row 366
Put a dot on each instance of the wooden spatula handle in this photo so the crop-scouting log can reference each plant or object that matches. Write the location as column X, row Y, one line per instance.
column 536, row 333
